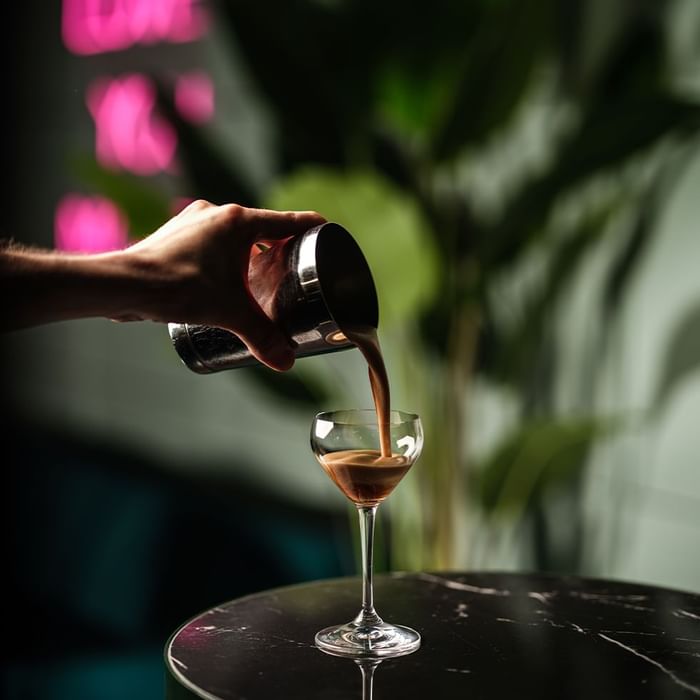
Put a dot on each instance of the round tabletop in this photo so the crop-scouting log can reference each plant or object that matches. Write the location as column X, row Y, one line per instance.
column 484, row 635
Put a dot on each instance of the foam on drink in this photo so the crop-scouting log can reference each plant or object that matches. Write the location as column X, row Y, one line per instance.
column 365, row 476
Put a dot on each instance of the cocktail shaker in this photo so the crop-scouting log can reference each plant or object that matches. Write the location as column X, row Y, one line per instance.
column 312, row 286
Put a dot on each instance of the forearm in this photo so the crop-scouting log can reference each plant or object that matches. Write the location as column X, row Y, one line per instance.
column 193, row 269
column 44, row 286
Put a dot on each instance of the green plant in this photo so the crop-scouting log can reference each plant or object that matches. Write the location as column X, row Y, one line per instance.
column 480, row 152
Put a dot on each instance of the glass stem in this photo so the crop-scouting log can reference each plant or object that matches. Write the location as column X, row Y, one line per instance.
column 368, row 615
column 367, row 670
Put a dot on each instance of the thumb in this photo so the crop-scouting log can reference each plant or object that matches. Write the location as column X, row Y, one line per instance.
column 265, row 339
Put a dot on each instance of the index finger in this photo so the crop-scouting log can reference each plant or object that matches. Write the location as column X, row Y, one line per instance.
column 271, row 225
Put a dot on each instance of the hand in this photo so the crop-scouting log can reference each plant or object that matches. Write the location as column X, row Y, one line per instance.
column 194, row 269
column 197, row 267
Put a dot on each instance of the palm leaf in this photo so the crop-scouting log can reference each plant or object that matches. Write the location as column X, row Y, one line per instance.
column 513, row 352
column 533, row 458
column 630, row 255
column 495, row 73
column 605, row 139
column 681, row 359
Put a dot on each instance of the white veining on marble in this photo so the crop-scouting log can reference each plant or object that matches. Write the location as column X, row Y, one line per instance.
column 686, row 653
column 542, row 597
column 613, row 596
column 179, row 663
column 184, row 679
column 616, row 600
column 678, row 681
column 458, row 670
column 459, row 586
column 214, row 630
column 461, row 610
column 632, row 632
column 566, row 625
column 551, row 623
column 576, row 627
column 685, row 613
column 294, row 642
column 265, row 637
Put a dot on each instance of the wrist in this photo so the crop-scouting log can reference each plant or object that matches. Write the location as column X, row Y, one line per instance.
column 93, row 285
column 151, row 288
column 136, row 286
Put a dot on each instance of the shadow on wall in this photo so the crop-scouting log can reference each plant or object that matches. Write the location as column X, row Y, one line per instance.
column 109, row 556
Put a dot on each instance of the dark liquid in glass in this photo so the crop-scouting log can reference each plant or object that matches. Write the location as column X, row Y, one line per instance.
column 365, row 476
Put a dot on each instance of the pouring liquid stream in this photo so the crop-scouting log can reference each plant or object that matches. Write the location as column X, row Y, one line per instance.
column 367, row 477
column 367, row 341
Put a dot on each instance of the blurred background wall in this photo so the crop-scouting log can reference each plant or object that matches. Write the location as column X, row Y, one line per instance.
column 524, row 183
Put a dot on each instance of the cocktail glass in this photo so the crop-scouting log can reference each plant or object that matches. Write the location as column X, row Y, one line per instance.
column 346, row 444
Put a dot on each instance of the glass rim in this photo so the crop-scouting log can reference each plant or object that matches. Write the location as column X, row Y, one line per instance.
column 365, row 417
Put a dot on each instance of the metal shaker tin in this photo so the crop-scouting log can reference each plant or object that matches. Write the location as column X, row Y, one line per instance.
column 311, row 285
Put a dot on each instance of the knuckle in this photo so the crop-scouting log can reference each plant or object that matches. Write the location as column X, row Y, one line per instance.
column 231, row 212
column 231, row 215
column 199, row 205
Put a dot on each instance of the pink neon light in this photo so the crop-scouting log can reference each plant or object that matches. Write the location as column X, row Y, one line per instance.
column 194, row 97
column 89, row 225
column 129, row 133
column 98, row 26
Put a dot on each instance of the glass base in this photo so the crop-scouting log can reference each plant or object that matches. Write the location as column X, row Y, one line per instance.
column 362, row 641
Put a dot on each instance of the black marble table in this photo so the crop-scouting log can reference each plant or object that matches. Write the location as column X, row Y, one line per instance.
column 485, row 636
